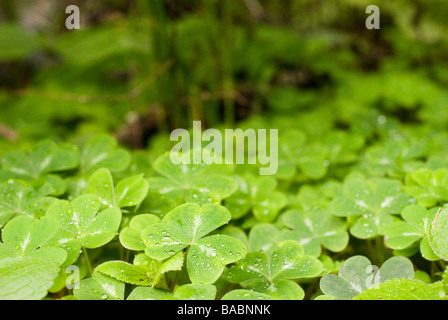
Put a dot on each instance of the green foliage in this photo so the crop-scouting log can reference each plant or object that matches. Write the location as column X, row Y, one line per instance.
column 437, row 233
column 128, row 192
column 28, row 267
column 99, row 287
column 257, row 194
column 357, row 275
column 87, row 182
column 413, row 229
column 185, row 292
column 187, row 227
column 83, row 224
column 401, row 289
column 270, row 272
column 254, row 239
column 190, row 182
column 373, row 202
column 317, row 228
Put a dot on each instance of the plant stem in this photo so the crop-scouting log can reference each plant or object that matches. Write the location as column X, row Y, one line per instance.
column 176, row 276
column 226, row 61
column 371, row 250
column 128, row 254
column 173, row 282
column 379, row 249
column 89, row 266
column 442, row 264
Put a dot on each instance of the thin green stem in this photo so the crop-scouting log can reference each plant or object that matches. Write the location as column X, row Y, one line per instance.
column 379, row 248
column 371, row 249
column 127, row 256
column 226, row 61
column 442, row 264
column 86, row 256
column 121, row 252
column 176, row 276
column 174, row 280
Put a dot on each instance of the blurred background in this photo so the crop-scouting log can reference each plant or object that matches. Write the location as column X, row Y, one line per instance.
column 141, row 68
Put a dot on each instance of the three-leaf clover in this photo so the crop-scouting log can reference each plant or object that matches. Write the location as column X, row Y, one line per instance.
column 428, row 187
column 392, row 158
column 186, row 227
column 24, row 236
column 343, row 147
column 316, row 228
column 437, row 233
column 20, row 198
column 270, row 272
column 129, row 192
column 83, row 224
column 102, row 151
column 310, row 196
column 130, row 236
column 413, row 230
column 44, row 158
column 40, row 164
column 295, row 153
column 257, row 194
column 357, row 274
column 190, row 182
column 372, row 201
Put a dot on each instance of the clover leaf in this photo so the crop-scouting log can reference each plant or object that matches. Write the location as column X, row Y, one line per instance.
column 184, row 292
column 437, row 233
column 156, row 204
column 99, row 152
column 144, row 272
column 415, row 228
column 99, row 287
column 357, row 274
column 290, row 145
column 392, row 158
column 310, row 196
column 102, row 151
column 373, row 202
column 83, row 224
column 129, row 192
column 129, row 273
column 316, row 228
column 428, row 187
column 343, row 146
column 44, row 158
column 270, row 272
column 258, row 195
column 295, row 153
column 24, row 236
column 444, row 281
column 27, row 267
column 242, row 294
column 186, row 227
column 41, row 165
column 130, row 236
column 190, row 182
column 20, row 198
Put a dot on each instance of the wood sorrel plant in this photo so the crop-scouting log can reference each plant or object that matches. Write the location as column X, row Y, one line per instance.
column 136, row 228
